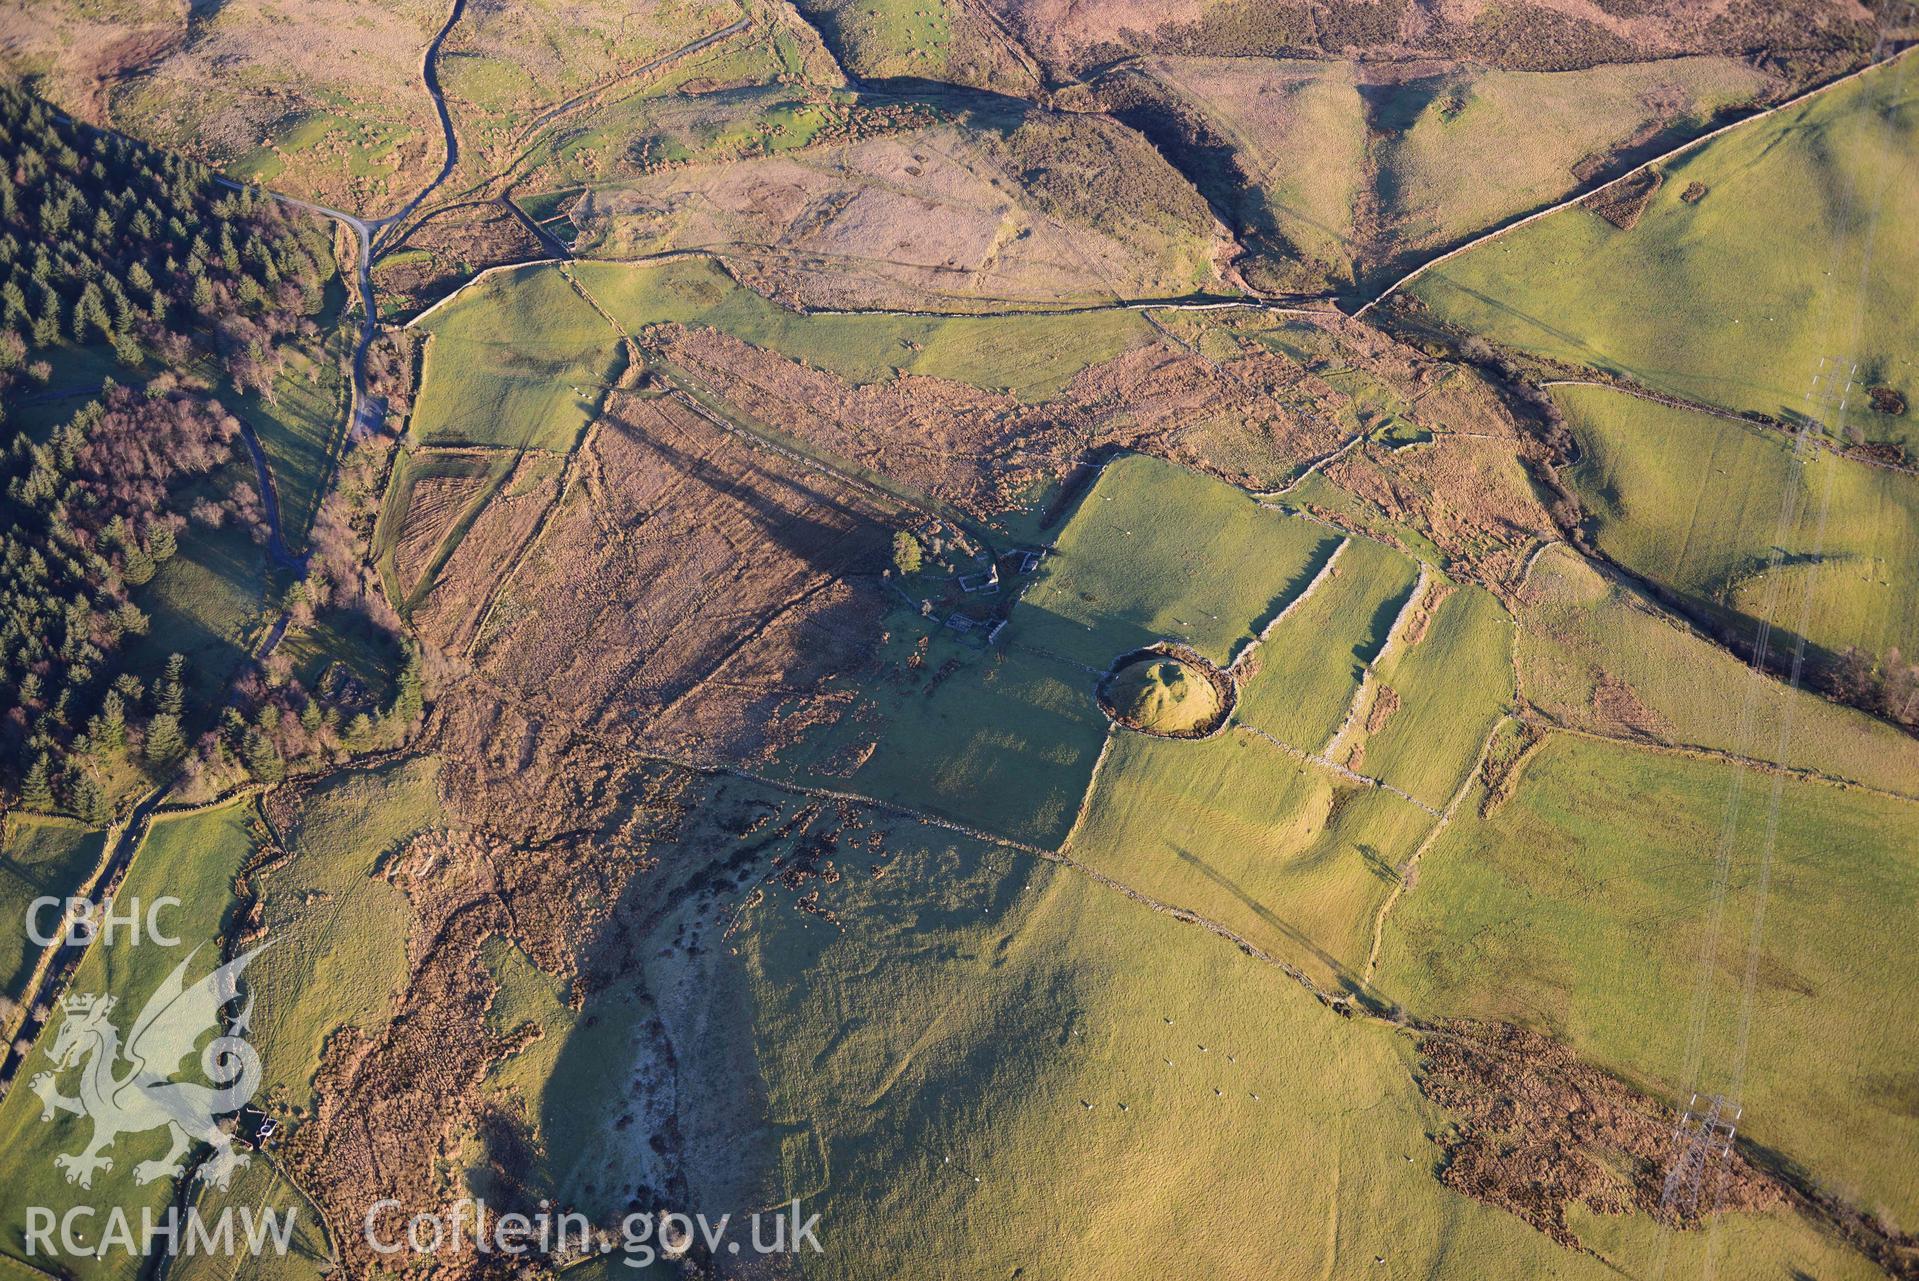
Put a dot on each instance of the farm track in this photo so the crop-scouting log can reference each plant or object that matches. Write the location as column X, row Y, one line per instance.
column 270, row 499
column 921, row 503
column 646, row 68
column 363, row 231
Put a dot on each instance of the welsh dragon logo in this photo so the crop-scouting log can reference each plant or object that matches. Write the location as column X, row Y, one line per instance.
column 130, row 1089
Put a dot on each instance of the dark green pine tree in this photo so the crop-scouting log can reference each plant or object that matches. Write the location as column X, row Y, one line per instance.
column 46, row 328
column 112, row 733
column 411, row 697
column 262, row 756
column 87, row 799
column 36, row 792
column 171, row 694
column 163, row 738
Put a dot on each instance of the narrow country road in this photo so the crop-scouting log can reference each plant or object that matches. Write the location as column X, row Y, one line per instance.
column 58, row 961
column 368, row 230
column 270, row 499
column 430, row 74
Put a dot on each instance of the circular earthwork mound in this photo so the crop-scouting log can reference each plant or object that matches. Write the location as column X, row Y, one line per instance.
column 1169, row 691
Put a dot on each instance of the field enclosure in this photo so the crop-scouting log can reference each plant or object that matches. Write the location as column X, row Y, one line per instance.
column 1343, row 174
column 1727, row 297
column 522, row 365
column 1156, row 552
column 47, row 857
column 1697, row 503
column 1560, row 909
column 1595, row 653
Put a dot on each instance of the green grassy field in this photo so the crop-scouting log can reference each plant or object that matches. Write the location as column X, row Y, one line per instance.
column 1582, row 637
column 1578, row 907
column 1001, row 739
column 1444, row 152
column 882, row 38
column 663, row 125
column 1282, row 852
column 207, row 602
column 1032, row 356
column 981, row 1025
column 320, row 149
column 525, row 995
column 1732, row 299
column 518, row 360
column 260, row 1190
column 1453, row 685
column 78, row 374
column 1303, row 675
column 39, row 857
column 1695, row 502
column 1156, row 552
column 339, row 931
column 1298, row 131
column 1471, row 148
column 194, row 859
